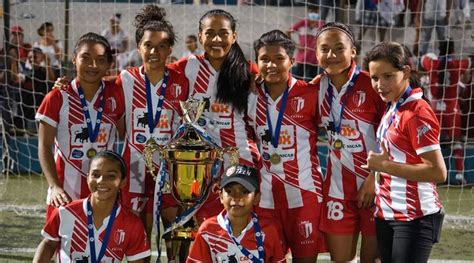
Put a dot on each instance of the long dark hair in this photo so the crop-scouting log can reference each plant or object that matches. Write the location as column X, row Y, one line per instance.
column 152, row 18
column 92, row 37
column 234, row 76
column 396, row 54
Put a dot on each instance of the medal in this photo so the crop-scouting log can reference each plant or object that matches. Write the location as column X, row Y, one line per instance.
column 91, row 153
column 275, row 158
column 338, row 144
column 275, row 135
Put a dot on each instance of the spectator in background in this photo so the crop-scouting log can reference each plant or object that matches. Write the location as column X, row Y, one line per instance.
column 39, row 78
column 444, row 74
column 50, row 46
column 467, row 103
column 192, row 47
column 306, row 63
column 118, row 40
column 378, row 14
column 462, row 12
column 15, row 79
column 431, row 14
column 17, row 40
column 171, row 60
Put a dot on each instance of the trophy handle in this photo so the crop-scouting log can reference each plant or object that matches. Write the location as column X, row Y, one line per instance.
column 192, row 106
column 150, row 147
column 233, row 152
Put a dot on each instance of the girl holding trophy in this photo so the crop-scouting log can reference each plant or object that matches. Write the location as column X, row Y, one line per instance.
column 221, row 78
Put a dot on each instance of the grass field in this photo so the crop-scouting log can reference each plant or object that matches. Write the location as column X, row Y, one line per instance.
column 22, row 217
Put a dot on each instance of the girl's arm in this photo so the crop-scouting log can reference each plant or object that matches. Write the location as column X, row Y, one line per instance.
column 45, row 251
column 432, row 168
column 46, row 135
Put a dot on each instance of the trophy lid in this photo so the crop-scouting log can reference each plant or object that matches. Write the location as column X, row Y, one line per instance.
column 190, row 140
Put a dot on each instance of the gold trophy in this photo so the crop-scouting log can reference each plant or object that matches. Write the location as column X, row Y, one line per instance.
column 190, row 158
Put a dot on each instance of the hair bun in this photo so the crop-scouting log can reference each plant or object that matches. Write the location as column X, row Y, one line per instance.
column 149, row 13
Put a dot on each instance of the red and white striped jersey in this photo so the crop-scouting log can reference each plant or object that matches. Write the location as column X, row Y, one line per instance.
column 226, row 126
column 62, row 110
column 445, row 99
column 297, row 177
column 136, row 118
column 414, row 131
column 213, row 243
column 362, row 110
column 68, row 225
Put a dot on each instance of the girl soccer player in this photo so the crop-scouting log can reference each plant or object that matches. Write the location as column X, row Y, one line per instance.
column 96, row 229
column 350, row 112
column 285, row 116
column 152, row 112
column 408, row 209
column 78, row 121
column 221, row 77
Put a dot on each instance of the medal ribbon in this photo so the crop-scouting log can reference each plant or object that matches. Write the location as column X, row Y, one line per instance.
column 276, row 135
column 337, row 125
column 382, row 132
column 92, row 132
column 152, row 122
column 258, row 237
column 108, row 230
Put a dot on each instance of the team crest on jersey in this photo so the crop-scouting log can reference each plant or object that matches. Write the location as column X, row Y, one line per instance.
column 175, row 90
column 305, row 228
column 111, row 104
column 421, row 131
column 297, row 104
column 359, row 98
column 141, row 119
column 119, row 237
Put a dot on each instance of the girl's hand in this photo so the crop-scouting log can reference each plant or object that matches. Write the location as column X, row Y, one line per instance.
column 366, row 194
column 59, row 197
column 376, row 161
column 61, row 83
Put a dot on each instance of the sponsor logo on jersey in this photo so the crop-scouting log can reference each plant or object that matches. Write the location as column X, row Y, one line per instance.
column 305, row 228
column 422, row 130
column 220, row 108
column 140, row 138
column 349, row 132
column 77, row 154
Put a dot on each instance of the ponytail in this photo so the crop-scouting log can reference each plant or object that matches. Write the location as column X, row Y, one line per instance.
column 234, row 79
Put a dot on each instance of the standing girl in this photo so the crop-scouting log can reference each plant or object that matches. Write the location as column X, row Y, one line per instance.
column 152, row 112
column 221, row 77
column 408, row 210
column 286, row 116
column 78, row 121
column 350, row 112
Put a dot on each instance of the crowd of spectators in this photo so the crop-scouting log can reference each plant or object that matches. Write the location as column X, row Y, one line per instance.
column 34, row 67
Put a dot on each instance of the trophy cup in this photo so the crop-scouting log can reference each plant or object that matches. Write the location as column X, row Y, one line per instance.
column 190, row 159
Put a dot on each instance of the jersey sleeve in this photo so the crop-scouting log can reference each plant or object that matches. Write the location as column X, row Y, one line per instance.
column 137, row 246
column 200, row 251
column 179, row 65
column 423, row 131
column 51, row 228
column 50, row 108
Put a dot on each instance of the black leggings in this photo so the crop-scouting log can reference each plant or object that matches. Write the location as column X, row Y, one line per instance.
column 405, row 242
